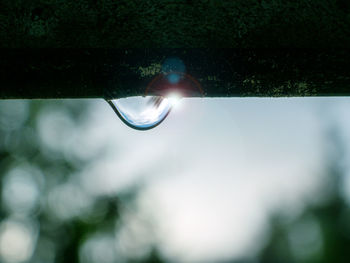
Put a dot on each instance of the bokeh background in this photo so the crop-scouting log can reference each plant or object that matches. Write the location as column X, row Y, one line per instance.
column 220, row 180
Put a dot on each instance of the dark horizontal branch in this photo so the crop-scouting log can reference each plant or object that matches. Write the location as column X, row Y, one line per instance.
column 105, row 73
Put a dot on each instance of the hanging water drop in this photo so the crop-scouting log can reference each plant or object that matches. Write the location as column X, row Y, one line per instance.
column 142, row 112
column 161, row 94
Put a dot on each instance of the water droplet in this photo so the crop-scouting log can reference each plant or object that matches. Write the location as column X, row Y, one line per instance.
column 161, row 95
column 142, row 112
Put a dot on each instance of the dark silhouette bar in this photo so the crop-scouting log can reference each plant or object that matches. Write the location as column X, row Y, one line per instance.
column 116, row 73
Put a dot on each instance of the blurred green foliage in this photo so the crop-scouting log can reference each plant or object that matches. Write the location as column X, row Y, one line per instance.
column 321, row 233
column 35, row 177
column 34, row 172
column 174, row 23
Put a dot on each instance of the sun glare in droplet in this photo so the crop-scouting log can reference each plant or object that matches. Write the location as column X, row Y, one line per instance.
column 174, row 99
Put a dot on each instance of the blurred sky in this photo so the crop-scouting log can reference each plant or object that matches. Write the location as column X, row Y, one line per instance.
column 210, row 176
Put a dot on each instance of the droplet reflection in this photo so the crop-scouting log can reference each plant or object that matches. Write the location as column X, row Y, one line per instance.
column 142, row 113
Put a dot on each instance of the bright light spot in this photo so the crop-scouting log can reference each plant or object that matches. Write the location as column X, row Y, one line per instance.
column 55, row 127
column 16, row 242
column 98, row 249
column 135, row 236
column 20, row 193
column 68, row 201
column 174, row 99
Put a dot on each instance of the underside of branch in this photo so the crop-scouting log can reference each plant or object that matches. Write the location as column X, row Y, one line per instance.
column 116, row 73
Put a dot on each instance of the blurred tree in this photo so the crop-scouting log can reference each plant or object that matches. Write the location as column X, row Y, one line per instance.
column 38, row 188
column 321, row 233
column 41, row 200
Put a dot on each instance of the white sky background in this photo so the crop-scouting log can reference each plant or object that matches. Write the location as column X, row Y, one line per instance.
column 215, row 169
column 211, row 174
